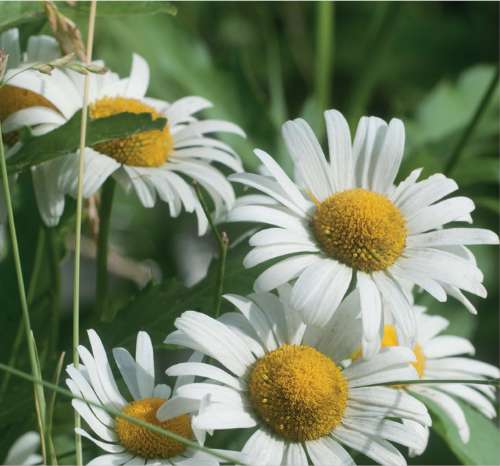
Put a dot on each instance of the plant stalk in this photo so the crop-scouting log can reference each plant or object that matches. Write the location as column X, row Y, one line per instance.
column 223, row 243
column 102, row 309
column 38, row 389
column 78, row 228
column 55, row 289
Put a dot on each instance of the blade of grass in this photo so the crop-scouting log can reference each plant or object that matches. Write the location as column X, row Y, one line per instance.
column 117, row 413
column 78, row 232
column 39, row 394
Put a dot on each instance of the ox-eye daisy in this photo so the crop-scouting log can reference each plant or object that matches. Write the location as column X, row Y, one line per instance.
column 441, row 357
column 272, row 372
column 24, row 450
column 120, row 439
column 153, row 163
column 21, row 99
column 349, row 223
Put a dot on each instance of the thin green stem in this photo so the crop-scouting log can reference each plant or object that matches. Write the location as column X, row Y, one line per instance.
column 495, row 382
column 223, row 243
column 376, row 46
column 101, row 308
column 38, row 390
column 35, row 274
column 117, row 413
column 325, row 13
column 50, row 410
column 78, row 227
column 464, row 138
column 55, row 290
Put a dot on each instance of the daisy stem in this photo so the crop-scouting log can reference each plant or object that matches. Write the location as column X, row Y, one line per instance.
column 223, row 242
column 495, row 382
column 35, row 274
column 117, row 413
column 35, row 366
column 325, row 16
column 464, row 138
column 55, row 289
column 78, row 232
column 105, row 208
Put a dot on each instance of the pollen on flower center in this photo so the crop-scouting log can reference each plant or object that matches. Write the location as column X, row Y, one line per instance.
column 390, row 338
column 145, row 149
column 298, row 392
column 144, row 442
column 361, row 229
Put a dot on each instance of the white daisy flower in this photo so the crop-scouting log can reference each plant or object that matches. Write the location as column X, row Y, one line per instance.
column 348, row 223
column 274, row 373
column 23, row 104
column 441, row 357
column 123, row 441
column 152, row 163
column 24, row 450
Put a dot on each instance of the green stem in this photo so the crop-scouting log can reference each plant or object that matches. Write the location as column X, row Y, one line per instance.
column 325, row 13
column 376, row 46
column 495, row 382
column 50, row 411
column 101, row 308
column 35, row 274
column 38, row 390
column 78, row 226
column 480, row 109
column 223, row 242
column 55, row 289
column 117, row 413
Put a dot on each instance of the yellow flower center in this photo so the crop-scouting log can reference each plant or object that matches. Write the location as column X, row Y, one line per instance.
column 298, row 392
column 13, row 99
column 148, row 444
column 361, row 229
column 145, row 149
column 390, row 338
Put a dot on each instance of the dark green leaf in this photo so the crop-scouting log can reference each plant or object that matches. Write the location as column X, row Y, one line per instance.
column 129, row 8
column 14, row 14
column 483, row 446
column 63, row 140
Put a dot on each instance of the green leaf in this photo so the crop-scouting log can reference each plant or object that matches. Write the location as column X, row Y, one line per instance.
column 65, row 139
column 483, row 446
column 15, row 14
column 129, row 8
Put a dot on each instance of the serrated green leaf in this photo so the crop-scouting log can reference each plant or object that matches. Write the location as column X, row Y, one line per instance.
column 483, row 446
column 14, row 14
column 65, row 139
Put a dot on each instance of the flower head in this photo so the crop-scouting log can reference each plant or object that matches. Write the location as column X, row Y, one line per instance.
column 346, row 222
column 272, row 371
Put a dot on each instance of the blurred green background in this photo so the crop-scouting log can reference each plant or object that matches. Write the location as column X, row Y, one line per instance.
column 261, row 64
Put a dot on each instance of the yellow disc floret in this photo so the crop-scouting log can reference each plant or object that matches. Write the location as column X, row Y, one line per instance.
column 144, row 442
column 145, row 149
column 361, row 229
column 298, row 392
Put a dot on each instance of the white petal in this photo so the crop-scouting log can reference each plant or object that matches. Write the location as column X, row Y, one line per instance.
column 294, row 455
column 204, row 370
column 113, row 459
column 452, row 236
column 32, row 116
column 49, row 198
column 183, row 108
column 465, row 365
column 128, row 369
column 264, row 214
column 220, row 416
column 24, row 446
column 326, row 452
column 162, row 391
column 109, row 447
column 447, row 345
column 177, row 406
column 42, row 48
column 264, row 449
column 450, row 407
column 284, row 271
column 371, row 312
column 140, row 178
column 339, row 143
column 375, row 448
column 388, row 162
column 309, row 158
column 145, row 364
column 138, row 80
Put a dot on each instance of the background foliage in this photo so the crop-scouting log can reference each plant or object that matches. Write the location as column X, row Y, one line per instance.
column 260, row 64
